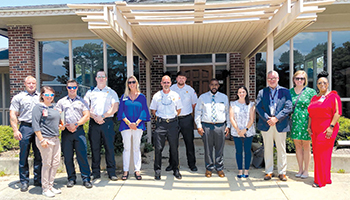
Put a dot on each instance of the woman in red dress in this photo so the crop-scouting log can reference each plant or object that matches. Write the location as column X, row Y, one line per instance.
column 324, row 111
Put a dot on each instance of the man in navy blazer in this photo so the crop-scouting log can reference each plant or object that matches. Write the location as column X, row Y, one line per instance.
column 273, row 105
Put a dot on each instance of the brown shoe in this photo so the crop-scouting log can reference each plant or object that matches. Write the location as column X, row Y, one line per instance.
column 268, row 177
column 282, row 177
column 208, row 173
column 221, row 174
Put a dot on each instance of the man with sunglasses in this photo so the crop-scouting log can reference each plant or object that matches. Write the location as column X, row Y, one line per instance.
column 186, row 124
column 21, row 111
column 273, row 105
column 103, row 103
column 76, row 114
column 166, row 106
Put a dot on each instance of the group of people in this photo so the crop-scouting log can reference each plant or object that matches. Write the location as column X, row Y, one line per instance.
column 313, row 116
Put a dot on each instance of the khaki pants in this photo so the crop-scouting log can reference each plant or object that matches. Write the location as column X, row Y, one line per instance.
column 51, row 157
column 280, row 140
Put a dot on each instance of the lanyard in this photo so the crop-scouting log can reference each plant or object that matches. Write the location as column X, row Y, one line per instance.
column 274, row 95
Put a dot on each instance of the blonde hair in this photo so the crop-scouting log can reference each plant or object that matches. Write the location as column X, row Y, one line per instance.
column 302, row 72
column 127, row 90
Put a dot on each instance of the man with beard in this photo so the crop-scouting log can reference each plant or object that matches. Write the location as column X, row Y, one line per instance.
column 21, row 111
column 189, row 99
column 166, row 106
column 212, row 120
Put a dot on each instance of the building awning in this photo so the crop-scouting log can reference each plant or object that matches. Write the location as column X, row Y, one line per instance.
column 201, row 27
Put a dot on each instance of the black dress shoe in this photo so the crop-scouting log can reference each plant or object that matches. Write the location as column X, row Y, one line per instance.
column 194, row 168
column 157, row 176
column 113, row 178
column 87, row 184
column 37, row 184
column 24, row 187
column 177, row 174
column 94, row 177
column 70, row 183
column 169, row 168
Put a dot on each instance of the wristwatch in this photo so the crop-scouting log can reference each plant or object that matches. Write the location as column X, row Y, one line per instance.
column 246, row 128
column 332, row 126
column 76, row 124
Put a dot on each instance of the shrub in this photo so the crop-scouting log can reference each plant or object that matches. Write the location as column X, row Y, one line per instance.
column 7, row 141
column 344, row 129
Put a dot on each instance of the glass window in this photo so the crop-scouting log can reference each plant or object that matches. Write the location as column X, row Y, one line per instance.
column 221, row 74
column 201, row 58
column 220, row 58
column 281, row 64
column 171, row 59
column 310, row 54
column 1, row 118
column 1, row 97
column 87, row 61
column 171, row 71
column 260, row 71
column 54, row 65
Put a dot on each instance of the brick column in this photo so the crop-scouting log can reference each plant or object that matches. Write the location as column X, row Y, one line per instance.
column 21, row 56
column 237, row 76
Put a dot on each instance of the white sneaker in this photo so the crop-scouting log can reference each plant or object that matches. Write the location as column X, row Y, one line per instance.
column 49, row 193
column 55, row 191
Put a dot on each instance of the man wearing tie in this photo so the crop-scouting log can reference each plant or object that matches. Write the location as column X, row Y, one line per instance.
column 273, row 105
column 212, row 120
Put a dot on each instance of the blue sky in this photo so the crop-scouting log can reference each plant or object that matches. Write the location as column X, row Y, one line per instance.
column 4, row 41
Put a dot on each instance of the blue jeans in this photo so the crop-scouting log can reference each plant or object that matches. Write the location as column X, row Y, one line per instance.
column 247, row 142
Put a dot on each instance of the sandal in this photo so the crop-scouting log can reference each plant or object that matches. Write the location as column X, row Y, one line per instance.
column 138, row 177
column 125, row 177
column 315, row 185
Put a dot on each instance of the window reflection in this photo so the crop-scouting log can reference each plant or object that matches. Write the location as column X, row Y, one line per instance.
column 281, row 64
column 310, row 54
column 87, row 61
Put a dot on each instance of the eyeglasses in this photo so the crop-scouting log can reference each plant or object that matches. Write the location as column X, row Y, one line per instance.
column 131, row 82
column 322, row 82
column 101, row 76
column 72, row 88
column 272, row 79
column 166, row 82
column 49, row 95
column 300, row 78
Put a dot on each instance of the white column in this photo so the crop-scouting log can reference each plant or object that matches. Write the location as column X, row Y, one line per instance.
column 246, row 73
column 291, row 62
column 269, row 53
column 37, row 67
column 329, row 59
column 70, row 52
column 105, row 62
column 148, row 96
column 129, row 57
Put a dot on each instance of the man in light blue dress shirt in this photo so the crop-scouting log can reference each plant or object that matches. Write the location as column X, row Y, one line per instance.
column 212, row 120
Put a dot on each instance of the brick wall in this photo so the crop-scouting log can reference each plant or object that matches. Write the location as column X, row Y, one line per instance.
column 157, row 73
column 237, row 76
column 21, row 56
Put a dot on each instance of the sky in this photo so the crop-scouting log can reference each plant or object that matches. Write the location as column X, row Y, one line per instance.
column 3, row 3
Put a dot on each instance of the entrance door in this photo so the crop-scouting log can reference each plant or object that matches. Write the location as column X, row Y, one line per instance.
column 198, row 77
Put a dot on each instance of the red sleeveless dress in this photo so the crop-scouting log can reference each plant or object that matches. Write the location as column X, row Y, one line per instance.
column 321, row 111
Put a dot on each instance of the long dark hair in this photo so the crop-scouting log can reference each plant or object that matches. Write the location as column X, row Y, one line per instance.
column 247, row 101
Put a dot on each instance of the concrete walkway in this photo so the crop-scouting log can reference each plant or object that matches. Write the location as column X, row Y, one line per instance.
column 194, row 185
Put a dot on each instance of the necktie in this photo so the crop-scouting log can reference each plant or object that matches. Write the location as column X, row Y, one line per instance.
column 213, row 110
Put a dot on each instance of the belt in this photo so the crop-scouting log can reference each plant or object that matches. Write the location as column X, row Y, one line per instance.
column 166, row 120
column 183, row 116
column 26, row 124
column 214, row 122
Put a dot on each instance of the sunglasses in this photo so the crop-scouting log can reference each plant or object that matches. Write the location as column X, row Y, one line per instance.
column 49, row 95
column 166, row 82
column 131, row 82
column 299, row 79
column 72, row 88
column 101, row 76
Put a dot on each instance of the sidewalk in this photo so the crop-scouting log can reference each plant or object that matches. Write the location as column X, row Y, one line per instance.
column 194, row 185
